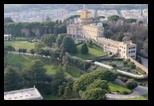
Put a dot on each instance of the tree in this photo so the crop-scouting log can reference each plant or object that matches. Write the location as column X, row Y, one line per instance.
column 119, row 37
column 24, row 50
column 60, row 39
column 60, row 90
column 90, row 42
column 19, row 50
column 68, row 45
column 58, row 79
column 36, row 74
column 38, row 46
column 12, row 80
column 83, row 82
column 98, row 84
column 131, row 84
column 8, row 19
column 113, row 18
column 65, row 62
column 131, row 20
column 32, row 51
column 94, row 94
column 67, row 91
column 104, row 74
column 108, row 34
column 84, row 48
column 10, row 48
column 48, row 39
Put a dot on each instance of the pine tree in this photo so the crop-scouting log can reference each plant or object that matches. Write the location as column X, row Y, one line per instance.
column 84, row 48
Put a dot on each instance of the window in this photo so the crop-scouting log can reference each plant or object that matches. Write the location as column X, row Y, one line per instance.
column 129, row 51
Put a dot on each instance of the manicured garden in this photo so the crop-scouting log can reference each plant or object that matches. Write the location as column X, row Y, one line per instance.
column 114, row 87
column 20, row 44
column 94, row 51
column 21, row 60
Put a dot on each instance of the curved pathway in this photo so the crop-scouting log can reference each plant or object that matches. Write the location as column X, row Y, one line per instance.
column 137, row 92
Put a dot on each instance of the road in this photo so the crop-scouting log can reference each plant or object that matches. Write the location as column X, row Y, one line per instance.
column 138, row 91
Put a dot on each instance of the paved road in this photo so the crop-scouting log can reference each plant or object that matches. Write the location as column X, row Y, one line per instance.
column 138, row 91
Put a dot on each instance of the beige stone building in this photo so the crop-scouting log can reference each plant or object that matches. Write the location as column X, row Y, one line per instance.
column 86, row 28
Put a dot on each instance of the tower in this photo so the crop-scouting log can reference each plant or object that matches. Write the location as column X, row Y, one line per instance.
column 85, row 17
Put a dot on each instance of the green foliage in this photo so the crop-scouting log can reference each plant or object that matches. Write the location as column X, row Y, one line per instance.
column 114, row 87
column 36, row 73
column 98, row 84
column 48, row 39
column 83, row 82
column 131, row 20
column 58, row 79
column 12, row 80
column 68, row 45
column 94, row 94
column 38, row 46
column 9, row 48
column 60, row 39
column 8, row 19
column 131, row 84
column 120, row 37
column 61, row 90
column 108, row 34
column 140, row 70
column 113, row 18
column 86, row 79
column 90, row 42
column 104, row 74
column 132, row 65
column 84, row 48
column 77, row 62
column 65, row 62
column 112, row 64
column 32, row 51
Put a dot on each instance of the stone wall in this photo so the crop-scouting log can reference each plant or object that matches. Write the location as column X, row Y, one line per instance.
column 138, row 64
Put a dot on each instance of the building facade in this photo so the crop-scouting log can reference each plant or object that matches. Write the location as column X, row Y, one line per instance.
column 87, row 29
column 23, row 94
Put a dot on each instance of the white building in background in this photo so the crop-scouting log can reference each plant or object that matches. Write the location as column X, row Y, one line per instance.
column 23, row 94
column 7, row 36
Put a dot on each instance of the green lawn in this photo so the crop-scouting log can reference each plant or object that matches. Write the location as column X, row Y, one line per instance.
column 21, row 44
column 73, row 72
column 114, row 87
column 93, row 52
column 143, row 97
column 25, row 61
column 20, row 60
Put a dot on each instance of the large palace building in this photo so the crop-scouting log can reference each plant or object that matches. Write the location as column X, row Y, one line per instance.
column 87, row 29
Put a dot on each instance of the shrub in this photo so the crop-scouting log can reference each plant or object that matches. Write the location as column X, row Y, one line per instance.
column 124, row 92
column 131, row 84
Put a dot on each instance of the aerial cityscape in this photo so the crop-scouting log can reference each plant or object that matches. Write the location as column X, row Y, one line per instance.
column 75, row 51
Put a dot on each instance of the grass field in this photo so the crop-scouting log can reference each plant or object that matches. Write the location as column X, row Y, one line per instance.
column 25, row 61
column 143, row 97
column 93, row 52
column 21, row 44
column 20, row 60
column 114, row 87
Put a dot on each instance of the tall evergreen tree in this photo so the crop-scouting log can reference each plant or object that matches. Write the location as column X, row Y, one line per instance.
column 84, row 48
column 12, row 80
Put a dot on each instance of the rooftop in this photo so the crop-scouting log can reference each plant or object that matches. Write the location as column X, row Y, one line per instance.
column 23, row 94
